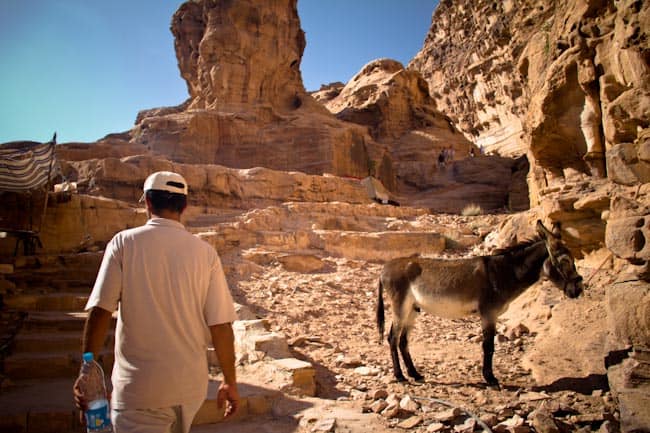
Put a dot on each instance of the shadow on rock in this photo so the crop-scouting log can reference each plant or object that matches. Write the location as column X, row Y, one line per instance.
column 582, row 385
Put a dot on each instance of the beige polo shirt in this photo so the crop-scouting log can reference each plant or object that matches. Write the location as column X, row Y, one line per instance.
column 168, row 287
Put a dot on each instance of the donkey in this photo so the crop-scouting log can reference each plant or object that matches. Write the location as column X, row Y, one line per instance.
column 460, row 287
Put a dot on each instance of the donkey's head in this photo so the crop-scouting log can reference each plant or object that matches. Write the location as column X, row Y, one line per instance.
column 560, row 267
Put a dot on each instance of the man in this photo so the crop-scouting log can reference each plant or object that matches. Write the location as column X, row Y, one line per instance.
column 171, row 295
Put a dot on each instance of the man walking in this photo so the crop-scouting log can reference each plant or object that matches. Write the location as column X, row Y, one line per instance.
column 171, row 296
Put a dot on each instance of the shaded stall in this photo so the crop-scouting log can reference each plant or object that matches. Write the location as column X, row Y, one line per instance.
column 26, row 171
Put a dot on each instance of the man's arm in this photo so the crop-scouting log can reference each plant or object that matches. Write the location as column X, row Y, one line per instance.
column 223, row 341
column 95, row 330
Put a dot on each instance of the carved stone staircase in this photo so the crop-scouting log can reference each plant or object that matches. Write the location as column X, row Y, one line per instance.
column 43, row 358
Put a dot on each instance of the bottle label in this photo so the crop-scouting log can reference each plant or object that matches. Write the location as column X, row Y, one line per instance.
column 98, row 415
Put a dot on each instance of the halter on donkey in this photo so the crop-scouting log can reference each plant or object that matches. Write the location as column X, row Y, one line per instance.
column 481, row 285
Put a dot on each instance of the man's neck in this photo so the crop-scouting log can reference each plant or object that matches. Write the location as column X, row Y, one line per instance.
column 167, row 215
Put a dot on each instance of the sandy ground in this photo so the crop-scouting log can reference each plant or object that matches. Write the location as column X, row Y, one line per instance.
column 329, row 320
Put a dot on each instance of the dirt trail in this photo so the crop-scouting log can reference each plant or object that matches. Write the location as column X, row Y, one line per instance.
column 329, row 320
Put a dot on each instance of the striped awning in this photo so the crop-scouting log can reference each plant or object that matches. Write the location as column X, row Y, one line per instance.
column 26, row 165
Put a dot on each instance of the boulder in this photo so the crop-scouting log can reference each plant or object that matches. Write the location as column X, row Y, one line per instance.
column 630, row 384
column 628, row 225
column 628, row 313
column 625, row 166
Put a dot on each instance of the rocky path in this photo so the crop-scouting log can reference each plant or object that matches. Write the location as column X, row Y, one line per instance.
column 329, row 321
column 328, row 317
column 290, row 265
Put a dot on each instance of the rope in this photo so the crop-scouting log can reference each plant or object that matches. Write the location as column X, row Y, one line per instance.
column 598, row 268
column 627, row 281
column 450, row 404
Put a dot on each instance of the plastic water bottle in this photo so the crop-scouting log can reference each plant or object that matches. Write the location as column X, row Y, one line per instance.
column 98, row 414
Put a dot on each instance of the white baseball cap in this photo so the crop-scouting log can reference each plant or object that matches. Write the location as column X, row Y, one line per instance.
column 165, row 181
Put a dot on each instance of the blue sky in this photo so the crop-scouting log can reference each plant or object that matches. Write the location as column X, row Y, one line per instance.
column 84, row 68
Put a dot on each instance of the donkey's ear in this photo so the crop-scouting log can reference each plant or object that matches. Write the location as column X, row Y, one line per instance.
column 557, row 229
column 542, row 231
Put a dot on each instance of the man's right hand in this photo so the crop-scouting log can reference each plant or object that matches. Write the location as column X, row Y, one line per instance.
column 80, row 399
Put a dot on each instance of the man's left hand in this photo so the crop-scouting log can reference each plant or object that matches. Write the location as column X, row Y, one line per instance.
column 228, row 394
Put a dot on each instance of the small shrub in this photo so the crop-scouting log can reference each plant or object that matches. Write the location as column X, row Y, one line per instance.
column 472, row 210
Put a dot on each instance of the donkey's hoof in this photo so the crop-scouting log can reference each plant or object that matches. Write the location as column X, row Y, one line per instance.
column 400, row 379
column 494, row 384
column 417, row 377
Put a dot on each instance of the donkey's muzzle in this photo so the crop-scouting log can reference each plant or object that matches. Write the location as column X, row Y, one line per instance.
column 574, row 288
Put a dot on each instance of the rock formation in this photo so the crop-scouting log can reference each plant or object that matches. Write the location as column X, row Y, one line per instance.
column 394, row 103
column 566, row 81
column 468, row 60
column 327, row 92
column 567, row 84
column 247, row 105
column 390, row 100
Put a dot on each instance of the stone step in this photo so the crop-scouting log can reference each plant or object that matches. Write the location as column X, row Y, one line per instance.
column 53, row 287
column 49, row 365
column 305, row 261
column 46, row 302
column 73, row 285
column 58, row 282
column 39, row 406
column 206, row 220
column 255, row 401
column 85, row 271
column 42, row 263
column 371, row 246
column 57, row 321
column 46, row 406
column 66, row 272
column 380, row 246
column 52, row 341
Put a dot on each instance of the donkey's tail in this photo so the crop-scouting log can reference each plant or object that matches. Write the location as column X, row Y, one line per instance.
column 380, row 310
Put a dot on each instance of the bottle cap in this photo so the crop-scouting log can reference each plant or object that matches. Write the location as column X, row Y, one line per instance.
column 88, row 357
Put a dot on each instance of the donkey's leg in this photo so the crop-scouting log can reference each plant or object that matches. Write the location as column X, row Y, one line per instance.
column 392, row 341
column 406, row 356
column 489, row 331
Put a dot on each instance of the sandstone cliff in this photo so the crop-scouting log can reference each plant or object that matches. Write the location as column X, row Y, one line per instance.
column 395, row 104
column 567, row 84
column 247, row 105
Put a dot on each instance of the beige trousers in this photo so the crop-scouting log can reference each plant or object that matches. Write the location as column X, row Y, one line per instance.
column 175, row 419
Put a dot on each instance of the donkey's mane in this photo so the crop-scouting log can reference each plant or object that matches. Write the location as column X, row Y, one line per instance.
column 517, row 247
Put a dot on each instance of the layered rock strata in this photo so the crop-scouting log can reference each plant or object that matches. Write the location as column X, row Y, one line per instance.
column 567, row 84
column 394, row 103
column 247, row 104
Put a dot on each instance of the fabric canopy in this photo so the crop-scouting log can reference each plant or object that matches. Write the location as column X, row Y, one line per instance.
column 26, row 165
